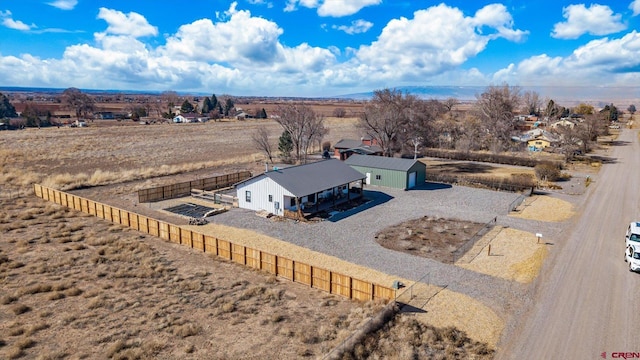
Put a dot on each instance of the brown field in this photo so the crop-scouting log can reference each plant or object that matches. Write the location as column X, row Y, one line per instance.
column 75, row 286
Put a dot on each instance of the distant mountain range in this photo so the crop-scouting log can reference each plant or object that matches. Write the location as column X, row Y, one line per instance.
column 568, row 95
column 598, row 95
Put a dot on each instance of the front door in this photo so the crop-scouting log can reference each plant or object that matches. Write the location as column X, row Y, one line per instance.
column 368, row 180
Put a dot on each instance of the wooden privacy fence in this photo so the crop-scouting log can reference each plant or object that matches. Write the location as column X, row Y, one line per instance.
column 184, row 189
column 312, row 276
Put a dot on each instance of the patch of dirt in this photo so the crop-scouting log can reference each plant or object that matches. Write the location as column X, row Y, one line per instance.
column 433, row 238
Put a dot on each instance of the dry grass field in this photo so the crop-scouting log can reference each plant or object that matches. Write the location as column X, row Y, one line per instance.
column 75, row 286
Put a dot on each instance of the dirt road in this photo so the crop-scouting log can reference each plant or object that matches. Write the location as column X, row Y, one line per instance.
column 585, row 299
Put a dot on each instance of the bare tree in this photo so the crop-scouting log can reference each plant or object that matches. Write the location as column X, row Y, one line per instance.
column 450, row 103
column 304, row 126
column 385, row 117
column 589, row 130
column 261, row 140
column 569, row 139
column 81, row 103
column 531, row 103
column 495, row 108
column 170, row 99
column 339, row 112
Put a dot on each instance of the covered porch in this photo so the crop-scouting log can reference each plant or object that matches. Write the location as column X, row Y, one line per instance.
column 308, row 205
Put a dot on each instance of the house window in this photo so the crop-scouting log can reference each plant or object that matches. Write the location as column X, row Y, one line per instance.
column 378, row 177
column 247, row 196
column 270, row 198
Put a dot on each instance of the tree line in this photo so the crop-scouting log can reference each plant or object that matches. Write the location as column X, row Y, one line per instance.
column 402, row 123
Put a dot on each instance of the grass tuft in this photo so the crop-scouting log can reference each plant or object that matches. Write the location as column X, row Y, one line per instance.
column 20, row 309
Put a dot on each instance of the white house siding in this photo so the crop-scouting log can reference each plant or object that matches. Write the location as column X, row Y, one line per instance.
column 261, row 188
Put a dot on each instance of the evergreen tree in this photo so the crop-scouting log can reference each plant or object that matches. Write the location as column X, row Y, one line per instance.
column 263, row 114
column 631, row 109
column 228, row 105
column 207, row 106
column 186, row 107
column 6, row 108
column 285, row 146
column 214, row 102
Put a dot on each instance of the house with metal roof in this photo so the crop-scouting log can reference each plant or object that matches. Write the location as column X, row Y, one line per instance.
column 301, row 190
column 389, row 172
column 344, row 148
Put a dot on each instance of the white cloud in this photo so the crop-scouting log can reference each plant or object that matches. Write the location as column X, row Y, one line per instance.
column 333, row 8
column 635, row 7
column 602, row 61
column 432, row 47
column 357, row 27
column 266, row 3
column 64, row 4
column 203, row 40
column 206, row 54
column 436, row 40
column 595, row 20
column 9, row 22
column 131, row 24
column 497, row 17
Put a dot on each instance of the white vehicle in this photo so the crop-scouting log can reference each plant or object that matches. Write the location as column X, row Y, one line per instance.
column 632, row 258
column 632, row 237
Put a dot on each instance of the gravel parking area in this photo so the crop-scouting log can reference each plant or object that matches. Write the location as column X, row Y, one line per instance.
column 351, row 235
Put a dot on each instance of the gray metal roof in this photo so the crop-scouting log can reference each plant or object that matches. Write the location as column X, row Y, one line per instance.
column 381, row 162
column 347, row 144
column 314, row 177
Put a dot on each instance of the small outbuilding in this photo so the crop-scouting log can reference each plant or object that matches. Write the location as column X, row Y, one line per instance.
column 301, row 190
column 389, row 172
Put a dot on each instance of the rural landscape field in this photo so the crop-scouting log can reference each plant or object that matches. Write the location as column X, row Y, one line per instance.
column 75, row 286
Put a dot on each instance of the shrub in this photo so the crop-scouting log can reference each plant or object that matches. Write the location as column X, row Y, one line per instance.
column 547, row 171
column 21, row 309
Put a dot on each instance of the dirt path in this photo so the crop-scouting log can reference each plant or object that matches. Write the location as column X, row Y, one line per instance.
column 583, row 303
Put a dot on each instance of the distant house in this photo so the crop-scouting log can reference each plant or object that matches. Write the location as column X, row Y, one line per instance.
column 190, row 118
column 104, row 115
column 562, row 122
column 344, row 148
column 527, row 122
column 242, row 116
column 541, row 142
column 389, row 172
column 300, row 189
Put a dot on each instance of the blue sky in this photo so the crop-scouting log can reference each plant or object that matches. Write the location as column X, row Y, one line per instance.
column 316, row 47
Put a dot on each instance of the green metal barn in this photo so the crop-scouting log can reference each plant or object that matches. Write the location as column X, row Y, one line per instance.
column 389, row 172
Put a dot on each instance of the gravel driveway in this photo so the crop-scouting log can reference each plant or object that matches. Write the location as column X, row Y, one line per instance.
column 351, row 235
